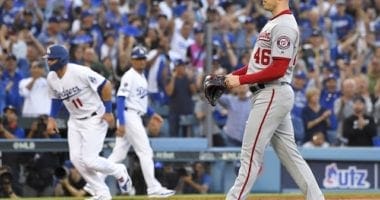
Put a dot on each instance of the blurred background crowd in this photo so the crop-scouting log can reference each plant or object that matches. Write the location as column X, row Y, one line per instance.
column 336, row 78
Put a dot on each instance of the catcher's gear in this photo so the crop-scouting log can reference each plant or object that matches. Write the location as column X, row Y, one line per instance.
column 214, row 87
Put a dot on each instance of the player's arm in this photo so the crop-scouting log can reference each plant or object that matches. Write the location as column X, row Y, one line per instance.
column 120, row 107
column 274, row 71
column 56, row 105
column 105, row 91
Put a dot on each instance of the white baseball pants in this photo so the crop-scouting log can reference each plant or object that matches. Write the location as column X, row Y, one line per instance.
column 86, row 139
column 137, row 137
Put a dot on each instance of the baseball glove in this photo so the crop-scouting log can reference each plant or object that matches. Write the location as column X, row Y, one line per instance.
column 214, row 87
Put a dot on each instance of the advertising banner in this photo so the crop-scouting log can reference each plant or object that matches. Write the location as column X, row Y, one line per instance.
column 338, row 175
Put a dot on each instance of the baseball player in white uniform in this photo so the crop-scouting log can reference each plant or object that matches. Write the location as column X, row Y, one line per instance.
column 269, row 73
column 132, row 103
column 86, row 95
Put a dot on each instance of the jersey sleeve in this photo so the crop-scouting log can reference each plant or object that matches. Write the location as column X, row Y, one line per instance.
column 125, row 87
column 284, row 41
column 92, row 78
column 51, row 92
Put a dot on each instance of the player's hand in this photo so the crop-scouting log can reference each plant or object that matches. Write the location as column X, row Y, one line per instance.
column 52, row 127
column 232, row 81
column 110, row 119
column 120, row 131
column 157, row 117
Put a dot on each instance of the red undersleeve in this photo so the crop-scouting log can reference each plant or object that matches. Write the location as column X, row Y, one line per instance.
column 241, row 71
column 274, row 71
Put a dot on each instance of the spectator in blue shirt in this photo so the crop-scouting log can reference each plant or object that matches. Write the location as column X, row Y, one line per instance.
column 11, row 80
column 238, row 106
column 299, row 86
column 315, row 117
column 2, row 91
column 329, row 94
column 10, row 123
column 342, row 22
column 8, row 13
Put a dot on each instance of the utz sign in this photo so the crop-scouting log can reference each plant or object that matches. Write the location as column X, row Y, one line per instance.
column 350, row 178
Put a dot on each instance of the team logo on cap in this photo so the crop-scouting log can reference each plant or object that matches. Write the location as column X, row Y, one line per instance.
column 283, row 42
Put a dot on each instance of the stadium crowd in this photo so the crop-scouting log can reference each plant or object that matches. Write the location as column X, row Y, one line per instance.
column 336, row 78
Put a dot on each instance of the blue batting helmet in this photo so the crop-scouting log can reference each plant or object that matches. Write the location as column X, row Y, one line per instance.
column 59, row 53
column 138, row 52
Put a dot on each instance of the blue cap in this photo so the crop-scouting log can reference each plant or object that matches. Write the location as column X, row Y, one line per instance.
column 330, row 77
column 85, row 14
column 316, row 33
column 226, row 3
column 179, row 62
column 300, row 74
column 58, row 52
column 54, row 19
column 10, row 107
column 198, row 29
column 138, row 52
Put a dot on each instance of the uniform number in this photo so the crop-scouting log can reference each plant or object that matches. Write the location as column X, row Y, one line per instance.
column 77, row 102
column 262, row 56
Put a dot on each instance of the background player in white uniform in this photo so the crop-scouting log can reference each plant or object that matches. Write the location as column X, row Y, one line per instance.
column 86, row 95
column 132, row 103
column 269, row 73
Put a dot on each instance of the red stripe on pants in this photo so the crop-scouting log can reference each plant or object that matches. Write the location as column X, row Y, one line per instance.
column 254, row 144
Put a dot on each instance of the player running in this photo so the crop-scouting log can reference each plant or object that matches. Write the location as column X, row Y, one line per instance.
column 269, row 73
column 87, row 97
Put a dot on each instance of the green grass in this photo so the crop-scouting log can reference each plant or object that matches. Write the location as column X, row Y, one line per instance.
column 333, row 196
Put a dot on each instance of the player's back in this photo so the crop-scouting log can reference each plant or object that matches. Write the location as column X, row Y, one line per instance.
column 77, row 89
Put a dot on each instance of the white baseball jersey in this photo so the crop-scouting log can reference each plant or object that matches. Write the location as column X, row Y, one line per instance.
column 78, row 90
column 278, row 38
column 133, row 87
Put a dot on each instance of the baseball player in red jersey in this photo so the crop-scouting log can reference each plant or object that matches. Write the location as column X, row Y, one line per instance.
column 268, row 74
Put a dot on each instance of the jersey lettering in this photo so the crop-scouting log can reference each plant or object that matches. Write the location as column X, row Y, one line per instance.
column 141, row 92
column 262, row 56
column 67, row 93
